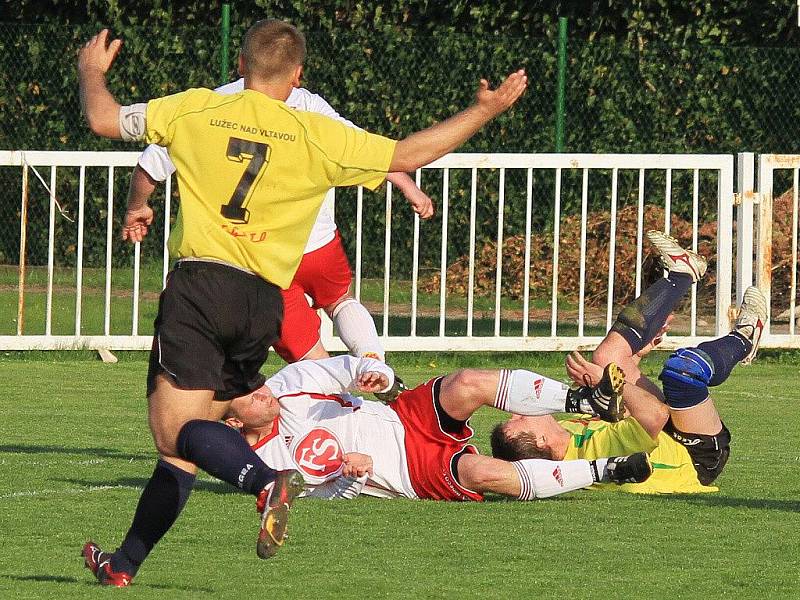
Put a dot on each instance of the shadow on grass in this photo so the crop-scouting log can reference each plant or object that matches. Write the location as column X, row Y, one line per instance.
column 93, row 584
column 213, row 487
column 94, row 452
column 715, row 501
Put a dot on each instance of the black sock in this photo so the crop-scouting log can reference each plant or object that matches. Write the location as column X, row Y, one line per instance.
column 725, row 352
column 161, row 502
column 640, row 321
column 223, row 452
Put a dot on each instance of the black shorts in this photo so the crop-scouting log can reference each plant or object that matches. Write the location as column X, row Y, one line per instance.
column 709, row 453
column 214, row 326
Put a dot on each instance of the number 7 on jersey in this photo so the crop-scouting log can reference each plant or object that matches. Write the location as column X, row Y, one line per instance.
column 257, row 153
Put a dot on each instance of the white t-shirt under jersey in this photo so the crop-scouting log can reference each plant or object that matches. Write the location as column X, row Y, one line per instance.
column 320, row 422
column 155, row 159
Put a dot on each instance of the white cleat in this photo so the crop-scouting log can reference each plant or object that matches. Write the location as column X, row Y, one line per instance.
column 676, row 259
column 751, row 319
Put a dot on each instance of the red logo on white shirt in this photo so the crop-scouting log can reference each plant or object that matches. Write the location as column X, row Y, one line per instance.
column 537, row 387
column 319, row 453
column 558, row 476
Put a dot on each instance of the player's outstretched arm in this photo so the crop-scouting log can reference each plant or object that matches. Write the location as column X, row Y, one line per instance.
column 425, row 146
column 99, row 108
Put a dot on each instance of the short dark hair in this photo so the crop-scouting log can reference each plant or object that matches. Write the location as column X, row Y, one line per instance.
column 271, row 48
column 519, row 447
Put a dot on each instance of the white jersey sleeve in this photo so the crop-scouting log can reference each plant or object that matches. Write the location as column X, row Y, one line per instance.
column 155, row 159
column 324, row 228
column 302, row 99
column 336, row 375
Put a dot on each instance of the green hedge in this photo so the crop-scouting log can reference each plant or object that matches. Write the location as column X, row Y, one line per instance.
column 651, row 78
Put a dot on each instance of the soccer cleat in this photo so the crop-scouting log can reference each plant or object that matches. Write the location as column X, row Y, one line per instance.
column 604, row 399
column 751, row 319
column 274, row 503
column 393, row 392
column 635, row 468
column 676, row 259
column 99, row 563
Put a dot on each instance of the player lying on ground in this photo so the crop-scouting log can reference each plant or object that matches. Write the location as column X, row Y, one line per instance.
column 305, row 418
column 252, row 175
column 324, row 273
column 680, row 428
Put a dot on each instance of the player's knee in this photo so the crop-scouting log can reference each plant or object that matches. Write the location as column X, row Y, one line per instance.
column 605, row 354
column 334, row 307
column 685, row 378
column 165, row 442
column 467, row 383
column 476, row 474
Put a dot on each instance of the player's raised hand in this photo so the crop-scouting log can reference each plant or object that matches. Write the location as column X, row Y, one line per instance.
column 372, row 381
column 98, row 53
column 136, row 222
column 582, row 371
column 497, row 101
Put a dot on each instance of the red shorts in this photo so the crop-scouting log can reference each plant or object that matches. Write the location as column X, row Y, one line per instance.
column 324, row 274
column 430, row 450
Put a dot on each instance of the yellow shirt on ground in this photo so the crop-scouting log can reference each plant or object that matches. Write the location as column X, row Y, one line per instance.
column 673, row 471
column 253, row 173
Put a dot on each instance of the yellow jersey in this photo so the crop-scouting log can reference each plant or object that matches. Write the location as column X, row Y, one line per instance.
column 253, row 173
column 673, row 471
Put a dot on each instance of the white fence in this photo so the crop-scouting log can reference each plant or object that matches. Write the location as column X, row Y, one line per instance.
column 519, row 189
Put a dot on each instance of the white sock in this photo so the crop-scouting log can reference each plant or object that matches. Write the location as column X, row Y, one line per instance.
column 357, row 330
column 525, row 393
column 539, row 478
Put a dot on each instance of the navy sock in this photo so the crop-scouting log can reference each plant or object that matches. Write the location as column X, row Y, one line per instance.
column 725, row 352
column 640, row 321
column 222, row 452
column 161, row 502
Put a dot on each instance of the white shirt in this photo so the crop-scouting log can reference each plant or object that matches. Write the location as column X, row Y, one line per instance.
column 320, row 422
column 155, row 159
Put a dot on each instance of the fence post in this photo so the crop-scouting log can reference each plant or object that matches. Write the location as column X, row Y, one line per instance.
column 23, row 244
column 562, row 79
column 724, row 247
column 764, row 239
column 745, row 180
column 224, row 54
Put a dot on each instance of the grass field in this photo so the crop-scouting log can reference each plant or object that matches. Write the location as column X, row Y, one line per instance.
column 75, row 453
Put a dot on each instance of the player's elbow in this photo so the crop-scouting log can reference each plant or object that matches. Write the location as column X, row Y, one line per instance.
column 99, row 126
column 469, row 383
column 103, row 123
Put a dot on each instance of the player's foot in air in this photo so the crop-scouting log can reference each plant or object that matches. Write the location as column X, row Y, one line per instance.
column 635, row 468
column 676, row 259
column 604, row 399
column 274, row 503
column 751, row 319
column 99, row 563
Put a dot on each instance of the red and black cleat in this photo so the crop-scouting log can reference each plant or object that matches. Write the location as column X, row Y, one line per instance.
column 274, row 503
column 99, row 563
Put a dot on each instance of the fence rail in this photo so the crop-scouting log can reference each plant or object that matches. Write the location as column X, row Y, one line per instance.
column 529, row 222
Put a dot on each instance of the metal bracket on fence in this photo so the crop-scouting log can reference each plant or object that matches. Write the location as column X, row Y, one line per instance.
column 754, row 197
